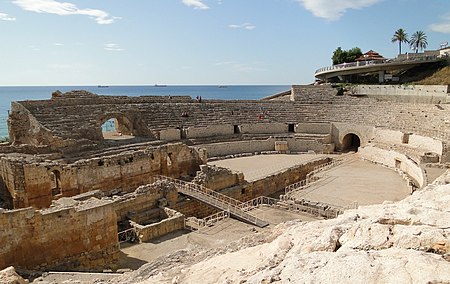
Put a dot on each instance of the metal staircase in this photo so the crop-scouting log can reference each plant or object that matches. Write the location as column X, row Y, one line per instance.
column 236, row 209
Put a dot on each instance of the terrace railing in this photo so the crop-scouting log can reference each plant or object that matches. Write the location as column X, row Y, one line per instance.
column 215, row 199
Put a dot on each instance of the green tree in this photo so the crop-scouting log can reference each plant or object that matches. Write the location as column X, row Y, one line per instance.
column 353, row 53
column 418, row 41
column 402, row 37
column 341, row 56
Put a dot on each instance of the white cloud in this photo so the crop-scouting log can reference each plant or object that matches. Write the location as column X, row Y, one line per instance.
column 6, row 17
column 442, row 27
column 113, row 47
column 64, row 9
column 246, row 26
column 58, row 44
column 334, row 9
column 196, row 4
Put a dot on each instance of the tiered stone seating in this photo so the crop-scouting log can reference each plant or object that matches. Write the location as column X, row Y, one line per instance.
column 80, row 118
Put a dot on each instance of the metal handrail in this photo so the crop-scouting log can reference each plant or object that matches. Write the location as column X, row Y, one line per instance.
column 375, row 62
column 234, row 206
column 310, row 177
column 208, row 221
column 261, row 200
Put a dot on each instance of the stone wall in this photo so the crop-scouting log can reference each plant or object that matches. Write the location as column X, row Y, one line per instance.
column 271, row 128
column 64, row 121
column 340, row 130
column 405, row 93
column 316, row 128
column 110, row 174
column 174, row 222
column 217, row 178
column 426, row 144
column 393, row 159
column 238, row 147
column 170, row 134
column 82, row 237
column 209, row 131
column 145, row 198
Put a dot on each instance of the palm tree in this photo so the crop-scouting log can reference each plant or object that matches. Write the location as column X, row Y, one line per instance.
column 401, row 36
column 418, row 41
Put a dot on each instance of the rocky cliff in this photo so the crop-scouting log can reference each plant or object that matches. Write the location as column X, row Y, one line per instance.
column 403, row 242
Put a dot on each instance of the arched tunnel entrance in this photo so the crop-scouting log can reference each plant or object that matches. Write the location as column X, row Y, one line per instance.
column 117, row 127
column 6, row 200
column 351, row 142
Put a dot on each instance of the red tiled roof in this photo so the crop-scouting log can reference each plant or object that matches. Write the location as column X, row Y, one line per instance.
column 370, row 55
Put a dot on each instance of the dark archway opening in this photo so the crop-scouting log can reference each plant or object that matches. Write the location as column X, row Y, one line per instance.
column 55, row 182
column 6, row 200
column 291, row 128
column 351, row 142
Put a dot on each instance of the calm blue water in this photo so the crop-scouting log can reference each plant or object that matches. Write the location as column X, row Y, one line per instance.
column 246, row 92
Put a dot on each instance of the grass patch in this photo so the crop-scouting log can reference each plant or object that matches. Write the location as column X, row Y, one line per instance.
column 440, row 77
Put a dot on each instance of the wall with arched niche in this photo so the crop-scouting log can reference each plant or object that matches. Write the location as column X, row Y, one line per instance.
column 341, row 130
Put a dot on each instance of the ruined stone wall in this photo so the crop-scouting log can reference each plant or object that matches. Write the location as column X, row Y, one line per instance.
column 217, row 178
column 237, row 147
column 83, row 237
column 193, row 208
column 145, row 198
column 248, row 190
column 11, row 174
column 394, row 159
column 174, row 222
column 295, row 144
column 405, row 93
column 275, row 182
column 110, row 174
column 79, row 120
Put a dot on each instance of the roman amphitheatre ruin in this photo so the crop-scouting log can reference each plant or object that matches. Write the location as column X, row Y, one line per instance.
column 306, row 186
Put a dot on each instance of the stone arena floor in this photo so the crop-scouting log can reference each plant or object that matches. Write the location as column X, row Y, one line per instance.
column 354, row 181
column 260, row 166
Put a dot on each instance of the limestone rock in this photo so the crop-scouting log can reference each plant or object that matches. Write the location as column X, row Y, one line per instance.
column 404, row 242
column 10, row 276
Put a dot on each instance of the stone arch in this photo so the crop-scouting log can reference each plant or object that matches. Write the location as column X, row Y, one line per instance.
column 114, row 125
column 350, row 142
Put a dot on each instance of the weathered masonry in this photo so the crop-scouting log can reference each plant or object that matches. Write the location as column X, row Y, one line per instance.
column 67, row 189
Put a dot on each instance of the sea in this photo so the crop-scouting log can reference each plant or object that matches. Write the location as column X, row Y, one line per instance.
column 226, row 92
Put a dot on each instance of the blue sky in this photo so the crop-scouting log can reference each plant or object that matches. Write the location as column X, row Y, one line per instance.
column 118, row 42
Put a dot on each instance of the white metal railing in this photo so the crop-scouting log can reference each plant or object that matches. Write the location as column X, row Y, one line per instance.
column 128, row 235
column 214, row 198
column 315, row 208
column 310, row 177
column 375, row 62
column 256, row 202
column 195, row 224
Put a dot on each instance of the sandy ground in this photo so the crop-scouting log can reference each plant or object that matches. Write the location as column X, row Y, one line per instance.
column 223, row 233
column 357, row 181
